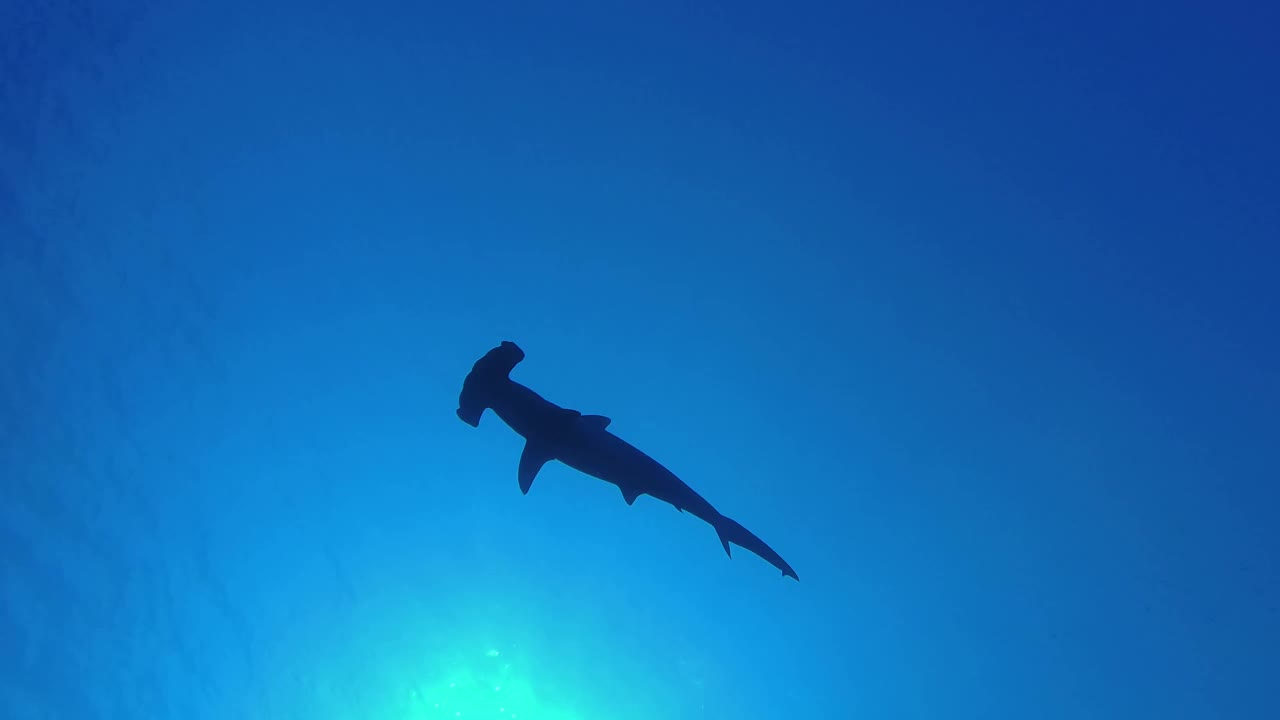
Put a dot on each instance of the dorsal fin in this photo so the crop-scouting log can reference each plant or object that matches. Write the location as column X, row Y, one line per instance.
column 531, row 461
column 598, row 422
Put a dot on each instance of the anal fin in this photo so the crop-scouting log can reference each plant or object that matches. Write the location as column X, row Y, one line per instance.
column 723, row 540
column 630, row 495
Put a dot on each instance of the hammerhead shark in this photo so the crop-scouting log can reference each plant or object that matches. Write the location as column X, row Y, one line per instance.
column 584, row 443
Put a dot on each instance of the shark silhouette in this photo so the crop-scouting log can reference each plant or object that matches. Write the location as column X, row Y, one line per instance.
column 584, row 443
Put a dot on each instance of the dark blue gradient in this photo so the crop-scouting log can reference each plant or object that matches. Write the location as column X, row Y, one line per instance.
column 970, row 311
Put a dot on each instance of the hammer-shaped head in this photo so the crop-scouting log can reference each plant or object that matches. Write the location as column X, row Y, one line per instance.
column 494, row 366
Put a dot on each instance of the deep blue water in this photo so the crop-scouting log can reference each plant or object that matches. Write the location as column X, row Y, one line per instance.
column 969, row 312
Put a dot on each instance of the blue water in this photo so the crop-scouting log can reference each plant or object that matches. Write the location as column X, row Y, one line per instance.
column 969, row 313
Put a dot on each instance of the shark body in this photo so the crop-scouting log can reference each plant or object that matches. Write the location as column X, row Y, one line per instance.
column 584, row 443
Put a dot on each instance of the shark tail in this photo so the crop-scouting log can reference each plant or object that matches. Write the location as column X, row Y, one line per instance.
column 731, row 531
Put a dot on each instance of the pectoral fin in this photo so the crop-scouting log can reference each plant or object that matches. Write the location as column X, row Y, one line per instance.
column 531, row 461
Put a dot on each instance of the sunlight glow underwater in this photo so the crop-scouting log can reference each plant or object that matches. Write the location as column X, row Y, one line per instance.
column 487, row 689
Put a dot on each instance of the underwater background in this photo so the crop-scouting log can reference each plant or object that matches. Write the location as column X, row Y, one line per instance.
column 970, row 312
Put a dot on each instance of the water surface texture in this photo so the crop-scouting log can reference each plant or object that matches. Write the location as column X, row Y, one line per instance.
column 969, row 311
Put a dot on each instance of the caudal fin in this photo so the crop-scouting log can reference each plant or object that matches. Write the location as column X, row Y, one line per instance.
column 731, row 531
